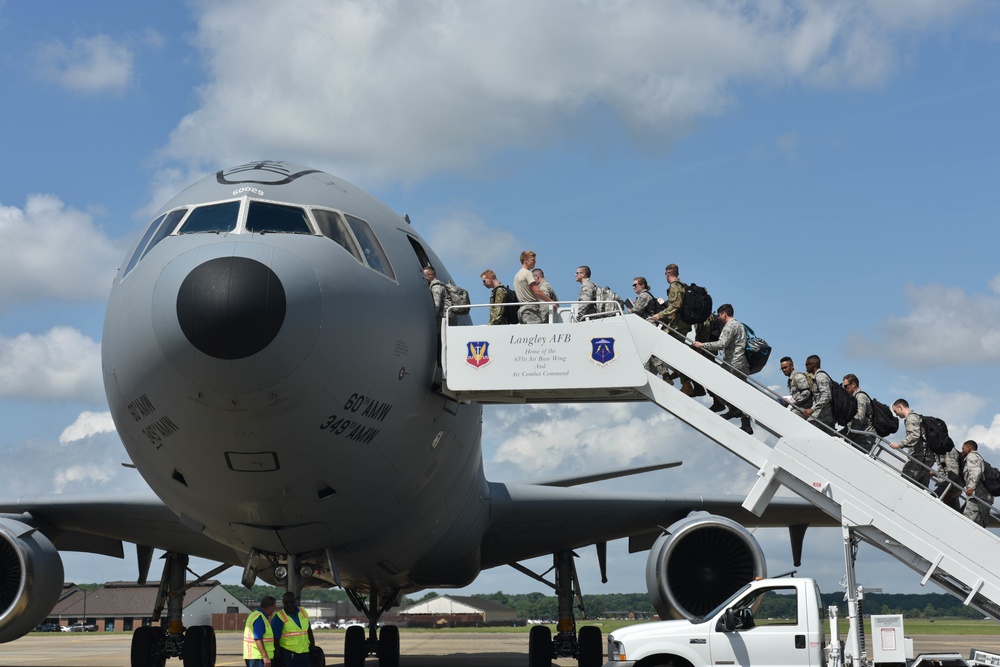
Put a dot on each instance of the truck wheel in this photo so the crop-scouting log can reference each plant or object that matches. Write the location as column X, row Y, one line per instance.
column 591, row 647
column 540, row 646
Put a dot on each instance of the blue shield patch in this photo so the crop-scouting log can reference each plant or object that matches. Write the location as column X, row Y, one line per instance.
column 478, row 354
column 602, row 351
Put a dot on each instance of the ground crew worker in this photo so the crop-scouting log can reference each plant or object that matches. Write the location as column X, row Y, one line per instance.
column 258, row 635
column 292, row 632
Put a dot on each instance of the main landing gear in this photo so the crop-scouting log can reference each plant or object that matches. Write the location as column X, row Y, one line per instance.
column 153, row 644
column 587, row 646
column 383, row 642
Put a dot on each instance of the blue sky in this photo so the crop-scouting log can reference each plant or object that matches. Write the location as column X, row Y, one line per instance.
column 827, row 168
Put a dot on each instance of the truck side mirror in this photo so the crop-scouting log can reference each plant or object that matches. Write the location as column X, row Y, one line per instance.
column 728, row 621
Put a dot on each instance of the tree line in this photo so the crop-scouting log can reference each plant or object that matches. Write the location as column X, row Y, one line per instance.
column 545, row 607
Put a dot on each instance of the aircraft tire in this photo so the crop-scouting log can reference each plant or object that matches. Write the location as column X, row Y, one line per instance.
column 388, row 646
column 540, row 646
column 199, row 646
column 591, row 647
column 355, row 650
column 146, row 642
column 212, row 652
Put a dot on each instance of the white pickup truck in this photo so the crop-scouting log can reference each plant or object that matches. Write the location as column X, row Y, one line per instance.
column 739, row 632
column 730, row 634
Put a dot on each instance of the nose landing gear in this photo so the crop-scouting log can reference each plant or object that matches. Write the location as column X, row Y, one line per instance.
column 383, row 642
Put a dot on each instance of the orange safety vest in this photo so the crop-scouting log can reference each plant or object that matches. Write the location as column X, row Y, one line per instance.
column 250, row 650
column 294, row 636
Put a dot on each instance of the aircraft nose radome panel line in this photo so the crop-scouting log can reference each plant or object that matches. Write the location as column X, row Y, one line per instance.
column 270, row 354
column 231, row 307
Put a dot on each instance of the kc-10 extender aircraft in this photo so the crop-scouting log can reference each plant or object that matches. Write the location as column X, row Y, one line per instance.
column 269, row 357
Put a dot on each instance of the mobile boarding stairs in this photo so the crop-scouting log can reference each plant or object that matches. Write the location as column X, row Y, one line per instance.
column 605, row 360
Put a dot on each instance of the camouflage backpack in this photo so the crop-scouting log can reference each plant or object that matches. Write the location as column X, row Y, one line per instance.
column 608, row 302
column 459, row 297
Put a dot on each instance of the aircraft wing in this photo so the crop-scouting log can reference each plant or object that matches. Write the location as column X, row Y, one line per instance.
column 100, row 524
column 530, row 520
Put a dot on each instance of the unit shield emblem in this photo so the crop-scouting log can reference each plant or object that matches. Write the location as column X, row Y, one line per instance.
column 478, row 354
column 602, row 351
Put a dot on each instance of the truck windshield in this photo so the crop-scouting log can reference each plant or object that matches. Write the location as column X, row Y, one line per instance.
column 722, row 606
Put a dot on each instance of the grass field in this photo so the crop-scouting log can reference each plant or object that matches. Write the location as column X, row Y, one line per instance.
column 912, row 627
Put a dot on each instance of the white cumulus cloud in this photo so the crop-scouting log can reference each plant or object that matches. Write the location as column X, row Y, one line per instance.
column 401, row 90
column 88, row 473
column 92, row 463
column 90, row 64
column 86, row 425
column 470, row 243
column 50, row 251
column 944, row 326
column 61, row 364
column 987, row 437
column 543, row 441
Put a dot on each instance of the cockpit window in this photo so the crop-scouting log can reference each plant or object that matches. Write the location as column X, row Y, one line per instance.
column 264, row 218
column 218, row 218
column 158, row 230
column 332, row 226
column 374, row 254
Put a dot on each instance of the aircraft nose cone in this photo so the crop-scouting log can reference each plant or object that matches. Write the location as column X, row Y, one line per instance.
column 231, row 307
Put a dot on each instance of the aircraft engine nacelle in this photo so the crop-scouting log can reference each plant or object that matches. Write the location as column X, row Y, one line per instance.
column 699, row 562
column 31, row 578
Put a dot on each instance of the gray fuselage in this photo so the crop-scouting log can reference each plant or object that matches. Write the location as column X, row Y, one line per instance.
column 274, row 387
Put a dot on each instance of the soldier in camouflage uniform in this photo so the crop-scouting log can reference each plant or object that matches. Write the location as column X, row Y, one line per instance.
column 671, row 315
column 799, row 387
column 546, row 288
column 643, row 302
column 821, row 410
column 733, row 343
column 949, row 469
column 588, row 294
column 917, row 469
column 678, row 328
column 544, row 284
column 442, row 300
column 862, row 420
column 977, row 506
column 643, row 307
column 497, row 296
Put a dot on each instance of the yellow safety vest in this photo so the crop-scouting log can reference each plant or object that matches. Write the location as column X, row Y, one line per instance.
column 294, row 637
column 250, row 650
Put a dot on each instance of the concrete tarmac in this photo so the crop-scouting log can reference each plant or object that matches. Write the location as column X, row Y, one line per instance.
column 418, row 649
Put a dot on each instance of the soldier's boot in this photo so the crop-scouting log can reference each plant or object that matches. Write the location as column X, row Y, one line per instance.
column 745, row 425
column 698, row 389
column 731, row 413
column 686, row 387
column 717, row 405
